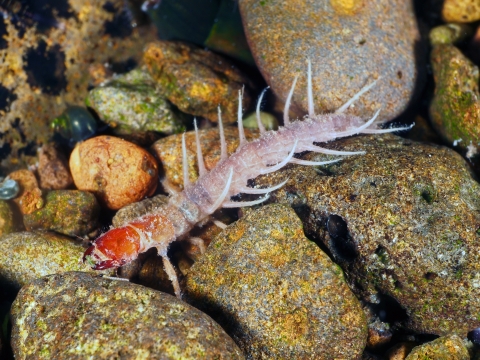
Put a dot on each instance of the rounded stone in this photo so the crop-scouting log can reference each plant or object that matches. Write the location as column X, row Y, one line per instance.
column 116, row 171
column 276, row 292
column 53, row 168
column 443, row 348
column 29, row 198
column 461, row 11
column 77, row 315
column 406, row 227
column 7, row 224
column 350, row 44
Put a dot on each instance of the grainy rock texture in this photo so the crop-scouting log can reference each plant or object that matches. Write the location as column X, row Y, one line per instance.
column 444, row 348
column 350, row 44
column 455, row 107
column 276, row 292
column 116, row 171
column 197, row 81
column 53, row 170
column 77, row 315
column 402, row 221
column 462, row 11
column 7, row 224
column 29, row 198
column 26, row 256
column 69, row 212
column 168, row 150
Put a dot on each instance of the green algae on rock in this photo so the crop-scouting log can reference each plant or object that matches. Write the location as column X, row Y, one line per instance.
column 449, row 34
column 132, row 103
column 444, row 348
column 68, row 212
column 74, row 315
column 350, row 44
column 197, row 81
column 455, row 108
column 276, row 292
column 402, row 221
column 26, row 256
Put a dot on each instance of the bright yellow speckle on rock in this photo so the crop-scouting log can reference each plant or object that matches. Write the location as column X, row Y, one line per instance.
column 346, row 7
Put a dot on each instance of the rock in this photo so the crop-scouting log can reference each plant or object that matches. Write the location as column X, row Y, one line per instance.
column 444, row 348
column 169, row 150
column 350, row 44
column 75, row 315
column 379, row 334
column 74, row 125
column 455, row 107
column 268, row 120
column 46, row 53
column 68, row 212
column 400, row 351
column 449, row 34
column 53, row 169
column 131, row 103
column 26, row 256
column 276, row 292
column 30, row 197
column 116, row 171
column 462, row 11
column 197, row 81
column 401, row 221
column 7, row 224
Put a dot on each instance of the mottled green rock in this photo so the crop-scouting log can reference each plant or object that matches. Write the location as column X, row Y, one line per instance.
column 269, row 121
column 26, row 256
column 276, row 292
column 6, row 218
column 197, row 81
column 455, row 109
column 132, row 103
column 78, row 315
column 444, row 348
column 401, row 220
column 449, row 34
column 69, row 212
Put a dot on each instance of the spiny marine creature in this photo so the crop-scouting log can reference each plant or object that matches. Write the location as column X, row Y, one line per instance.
column 213, row 190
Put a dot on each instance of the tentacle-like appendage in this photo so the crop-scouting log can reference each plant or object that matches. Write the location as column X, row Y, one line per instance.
column 201, row 163
column 286, row 118
column 313, row 163
column 172, row 275
column 220, row 224
column 247, row 190
column 385, row 131
column 186, row 180
column 355, row 97
column 197, row 242
column 234, row 204
column 259, row 103
column 223, row 195
column 321, row 150
column 280, row 164
column 241, row 132
column 223, row 143
column 311, row 110
column 359, row 129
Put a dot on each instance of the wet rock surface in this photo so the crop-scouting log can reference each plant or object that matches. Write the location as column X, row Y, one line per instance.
column 462, row 11
column 29, row 198
column 276, row 292
column 53, row 171
column 197, row 81
column 26, row 256
column 455, row 108
column 68, row 212
column 7, row 224
column 132, row 103
column 365, row 40
column 402, row 222
column 443, row 348
column 74, row 315
column 118, row 172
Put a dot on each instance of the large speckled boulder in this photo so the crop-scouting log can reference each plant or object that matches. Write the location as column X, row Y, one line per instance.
column 443, row 348
column 350, row 44
column 26, row 256
column 77, row 315
column 455, row 108
column 276, row 292
column 401, row 221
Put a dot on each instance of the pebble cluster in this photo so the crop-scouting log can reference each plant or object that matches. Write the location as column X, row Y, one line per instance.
column 373, row 257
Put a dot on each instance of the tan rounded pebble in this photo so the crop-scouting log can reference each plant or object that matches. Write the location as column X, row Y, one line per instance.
column 400, row 350
column 116, row 171
column 444, row 348
column 461, row 10
column 30, row 197
column 53, row 169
